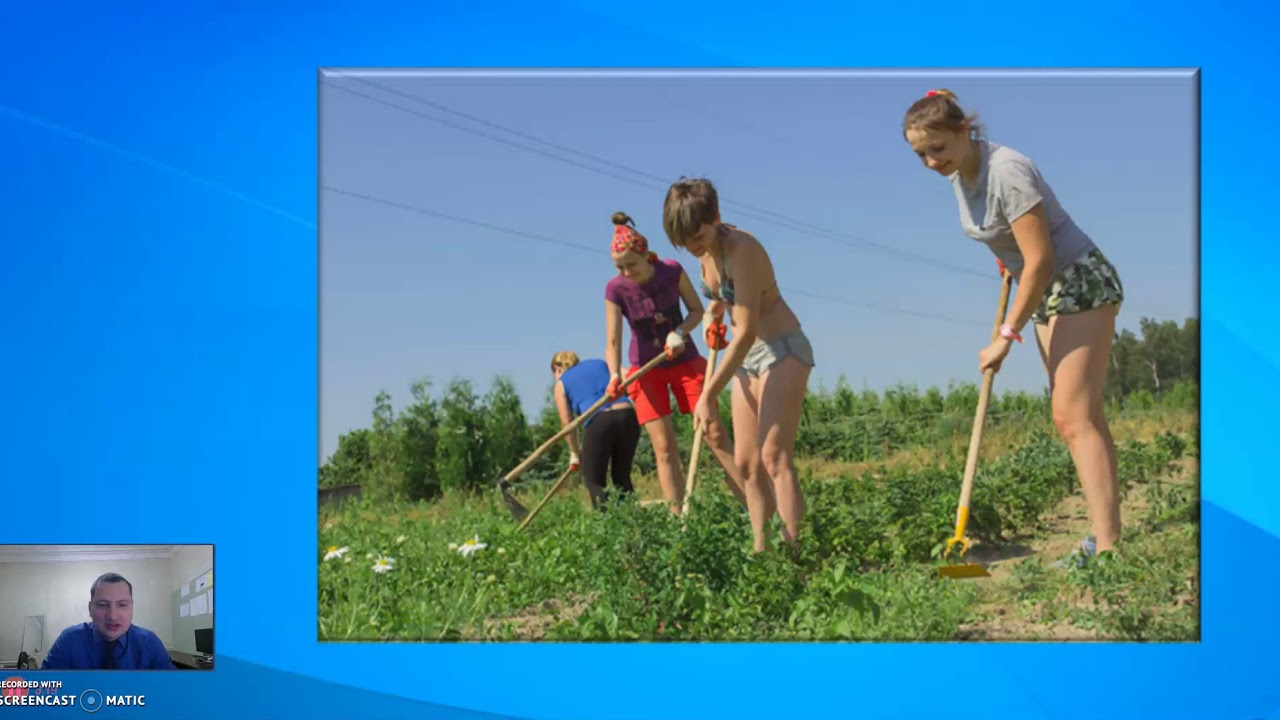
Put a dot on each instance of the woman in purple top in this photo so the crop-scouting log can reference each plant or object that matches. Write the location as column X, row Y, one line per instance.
column 647, row 292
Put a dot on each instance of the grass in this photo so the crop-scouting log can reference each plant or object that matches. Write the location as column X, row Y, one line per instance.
column 1150, row 592
column 866, row 571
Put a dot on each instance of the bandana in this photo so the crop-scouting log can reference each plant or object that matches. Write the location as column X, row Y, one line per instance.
column 625, row 238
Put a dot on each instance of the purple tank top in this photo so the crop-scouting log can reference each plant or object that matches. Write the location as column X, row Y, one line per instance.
column 652, row 311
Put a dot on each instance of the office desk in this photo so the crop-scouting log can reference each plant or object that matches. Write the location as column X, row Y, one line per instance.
column 187, row 661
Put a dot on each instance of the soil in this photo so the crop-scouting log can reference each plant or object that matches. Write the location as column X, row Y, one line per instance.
column 1062, row 529
column 531, row 623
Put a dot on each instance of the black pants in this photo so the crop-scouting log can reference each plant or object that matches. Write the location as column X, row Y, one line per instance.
column 609, row 446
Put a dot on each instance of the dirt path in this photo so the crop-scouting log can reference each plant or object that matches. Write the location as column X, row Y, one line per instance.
column 1001, row 615
column 997, row 615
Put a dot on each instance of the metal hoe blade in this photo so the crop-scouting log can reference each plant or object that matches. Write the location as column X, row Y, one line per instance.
column 518, row 511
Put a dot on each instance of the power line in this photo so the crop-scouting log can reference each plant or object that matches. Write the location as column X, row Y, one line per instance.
column 764, row 215
column 657, row 184
column 597, row 251
column 454, row 218
column 790, row 223
column 885, row 308
column 487, row 135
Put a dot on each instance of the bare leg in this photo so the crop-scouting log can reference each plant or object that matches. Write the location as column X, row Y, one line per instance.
column 1077, row 349
column 662, row 435
column 718, row 441
column 746, row 457
column 781, row 407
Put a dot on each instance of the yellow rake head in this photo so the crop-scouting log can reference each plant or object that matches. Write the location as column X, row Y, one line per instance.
column 960, row 570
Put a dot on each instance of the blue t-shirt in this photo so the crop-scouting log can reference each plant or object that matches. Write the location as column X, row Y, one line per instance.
column 584, row 385
column 80, row 647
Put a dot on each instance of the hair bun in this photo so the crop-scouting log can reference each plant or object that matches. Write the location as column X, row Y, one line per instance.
column 621, row 218
column 943, row 92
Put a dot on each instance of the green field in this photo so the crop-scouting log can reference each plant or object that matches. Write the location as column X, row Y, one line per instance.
column 881, row 474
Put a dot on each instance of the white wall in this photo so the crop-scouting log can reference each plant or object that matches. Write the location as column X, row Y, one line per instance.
column 60, row 592
column 188, row 560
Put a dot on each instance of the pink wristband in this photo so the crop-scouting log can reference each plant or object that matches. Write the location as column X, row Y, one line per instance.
column 1007, row 333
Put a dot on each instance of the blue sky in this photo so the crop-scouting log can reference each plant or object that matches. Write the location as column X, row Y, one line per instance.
column 865, row 241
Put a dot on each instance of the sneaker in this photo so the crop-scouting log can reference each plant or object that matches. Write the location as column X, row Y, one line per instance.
column 1087, row 548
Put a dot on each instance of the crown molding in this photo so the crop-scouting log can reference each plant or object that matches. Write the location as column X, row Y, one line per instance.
column 83, row 553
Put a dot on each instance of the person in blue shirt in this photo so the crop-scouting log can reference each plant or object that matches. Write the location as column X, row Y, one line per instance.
column 609, row 437
column 110, row 641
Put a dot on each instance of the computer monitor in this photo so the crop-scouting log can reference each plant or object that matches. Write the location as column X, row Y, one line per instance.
column 204, row 641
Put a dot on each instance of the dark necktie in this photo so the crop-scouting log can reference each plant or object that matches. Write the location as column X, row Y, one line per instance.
column 110, row 662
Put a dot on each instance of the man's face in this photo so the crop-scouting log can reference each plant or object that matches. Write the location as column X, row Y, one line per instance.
column 111, row 609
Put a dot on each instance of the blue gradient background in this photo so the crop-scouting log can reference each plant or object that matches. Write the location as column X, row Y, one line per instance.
column 157, row 222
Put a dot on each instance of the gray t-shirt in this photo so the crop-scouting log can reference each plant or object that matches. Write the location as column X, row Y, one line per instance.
column 1008, row 186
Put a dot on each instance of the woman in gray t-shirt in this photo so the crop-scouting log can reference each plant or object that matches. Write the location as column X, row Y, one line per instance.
column 1066, row 286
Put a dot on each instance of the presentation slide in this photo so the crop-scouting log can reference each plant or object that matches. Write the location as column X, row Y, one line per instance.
column 528, row 361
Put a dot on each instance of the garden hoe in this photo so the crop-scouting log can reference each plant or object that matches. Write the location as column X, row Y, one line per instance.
column 712, row 326
column 519, row 511
column 538, row 508
column 971, row 570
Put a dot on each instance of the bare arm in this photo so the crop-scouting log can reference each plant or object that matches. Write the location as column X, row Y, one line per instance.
column 613, row 333
column 747, row 267
column 1031, row 232
column 693, row 303
column 566, row 417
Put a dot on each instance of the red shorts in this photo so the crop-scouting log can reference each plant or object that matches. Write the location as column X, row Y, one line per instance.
column 652, row 393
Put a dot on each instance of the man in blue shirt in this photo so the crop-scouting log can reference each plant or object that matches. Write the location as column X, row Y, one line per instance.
column 111, row 641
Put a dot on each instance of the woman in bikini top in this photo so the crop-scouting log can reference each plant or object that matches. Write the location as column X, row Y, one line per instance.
column 769, row 372
column 771, row 325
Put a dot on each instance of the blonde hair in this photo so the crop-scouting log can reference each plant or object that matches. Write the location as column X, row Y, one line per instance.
column 939, row 110
column 564, row 360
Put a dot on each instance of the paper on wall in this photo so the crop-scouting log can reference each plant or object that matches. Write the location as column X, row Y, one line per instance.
column 184, row 610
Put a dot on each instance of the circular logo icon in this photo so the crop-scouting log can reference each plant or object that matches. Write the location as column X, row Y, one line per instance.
column 12, row 687
column 91, row 701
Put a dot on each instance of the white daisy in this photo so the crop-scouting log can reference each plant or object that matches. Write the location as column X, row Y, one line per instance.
column 472, row 546
column 384, row 564
column 335, row 552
